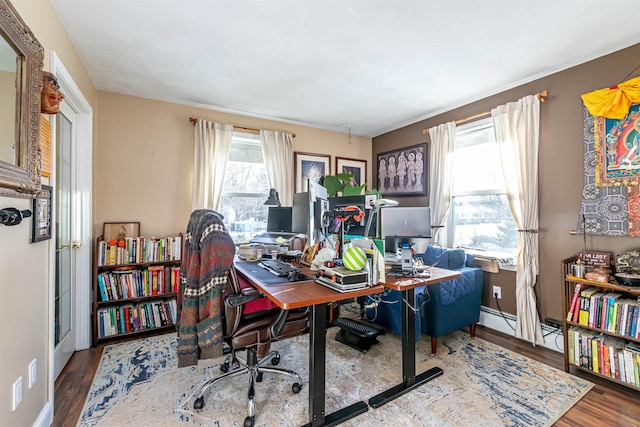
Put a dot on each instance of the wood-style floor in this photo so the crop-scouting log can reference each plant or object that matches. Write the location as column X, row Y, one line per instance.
column 607, row 404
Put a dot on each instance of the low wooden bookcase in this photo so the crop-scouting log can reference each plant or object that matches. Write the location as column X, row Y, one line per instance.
column 601, row 334
column 135, row 286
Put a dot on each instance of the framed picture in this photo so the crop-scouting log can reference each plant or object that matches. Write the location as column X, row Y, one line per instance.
column 403, row 172
column 357, row 168
column 42, row 205
column 120, row 230
column 309, row 166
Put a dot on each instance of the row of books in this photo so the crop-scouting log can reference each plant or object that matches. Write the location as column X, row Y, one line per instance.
column 136, row 317
column 122, row 284
column 609, row 311
column 137, row 250
column 606, row 355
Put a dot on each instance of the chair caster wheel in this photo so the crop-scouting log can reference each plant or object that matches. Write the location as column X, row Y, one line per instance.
column 275, row 360
column 249, row 421
column 296, row 387
column 259, row 377
column 198, row 404
column 224, row 367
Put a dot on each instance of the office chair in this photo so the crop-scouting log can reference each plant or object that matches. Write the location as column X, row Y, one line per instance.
column 251, row 322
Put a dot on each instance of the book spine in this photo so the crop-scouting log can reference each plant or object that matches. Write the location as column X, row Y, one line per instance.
column 574, row 301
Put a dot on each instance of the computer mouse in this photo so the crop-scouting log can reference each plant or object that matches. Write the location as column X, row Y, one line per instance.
column 294, row 276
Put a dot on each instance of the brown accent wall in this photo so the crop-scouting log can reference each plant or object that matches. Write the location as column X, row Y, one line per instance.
column 561, row 169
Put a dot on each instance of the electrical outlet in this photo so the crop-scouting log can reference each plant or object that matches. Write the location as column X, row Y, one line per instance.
column 497, row 292
column 17, row 394
column 32, row 373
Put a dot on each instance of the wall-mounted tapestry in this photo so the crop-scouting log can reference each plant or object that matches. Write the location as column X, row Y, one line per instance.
column 611, row 196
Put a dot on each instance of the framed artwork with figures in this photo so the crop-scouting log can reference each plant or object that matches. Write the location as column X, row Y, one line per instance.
column 309, row 166
column 403, row 172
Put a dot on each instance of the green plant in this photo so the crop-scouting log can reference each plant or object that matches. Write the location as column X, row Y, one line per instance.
column 341, row 184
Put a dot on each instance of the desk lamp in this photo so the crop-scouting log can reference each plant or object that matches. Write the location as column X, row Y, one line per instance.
column 377, row 205
column 273, row 199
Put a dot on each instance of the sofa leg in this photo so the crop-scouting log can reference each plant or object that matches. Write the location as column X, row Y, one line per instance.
column 434, row 345
column 472, row 331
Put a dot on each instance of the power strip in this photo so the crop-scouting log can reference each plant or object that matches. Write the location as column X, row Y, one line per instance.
column 553, row 323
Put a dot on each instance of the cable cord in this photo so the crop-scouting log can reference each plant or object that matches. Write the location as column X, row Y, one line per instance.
column 502, row 314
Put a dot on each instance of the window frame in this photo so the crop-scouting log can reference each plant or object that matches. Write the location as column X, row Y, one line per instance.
column 495, row 191
column 238, row 139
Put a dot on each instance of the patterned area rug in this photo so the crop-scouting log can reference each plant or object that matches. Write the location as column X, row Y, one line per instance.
column 138, row 383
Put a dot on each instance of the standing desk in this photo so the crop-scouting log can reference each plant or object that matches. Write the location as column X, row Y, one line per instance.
column 291, row 295
column 410, row 380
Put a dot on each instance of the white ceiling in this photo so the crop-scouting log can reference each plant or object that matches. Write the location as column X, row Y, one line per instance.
column 377, row 65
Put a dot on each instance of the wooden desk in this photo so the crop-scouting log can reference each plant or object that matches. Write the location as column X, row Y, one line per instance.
column 410, row 380
column 292, row 295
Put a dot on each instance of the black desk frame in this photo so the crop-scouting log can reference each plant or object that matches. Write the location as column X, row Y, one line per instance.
column 409, row 378
column 317, row 378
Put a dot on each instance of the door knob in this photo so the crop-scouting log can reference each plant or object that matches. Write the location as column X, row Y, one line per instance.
column 75, row 244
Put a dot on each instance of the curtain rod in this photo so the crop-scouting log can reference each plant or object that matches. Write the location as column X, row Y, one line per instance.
column 239, row 128
column 542, row 96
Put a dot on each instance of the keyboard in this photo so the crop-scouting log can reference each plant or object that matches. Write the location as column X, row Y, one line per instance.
column 277, row 267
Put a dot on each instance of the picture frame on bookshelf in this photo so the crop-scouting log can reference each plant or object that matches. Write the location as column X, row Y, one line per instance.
column 120, row 230
column 41, row 224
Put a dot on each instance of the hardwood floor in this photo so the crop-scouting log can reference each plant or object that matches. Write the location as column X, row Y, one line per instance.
column 606, row 404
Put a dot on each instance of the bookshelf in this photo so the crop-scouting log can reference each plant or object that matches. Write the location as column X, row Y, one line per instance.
column 135, row 285
column 602, row 332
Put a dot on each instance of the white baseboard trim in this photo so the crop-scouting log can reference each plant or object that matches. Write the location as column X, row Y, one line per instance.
column 45, row 419
column 492, row 319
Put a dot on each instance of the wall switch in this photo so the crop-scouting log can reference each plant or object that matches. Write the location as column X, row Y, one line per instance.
column 17, row 394
column 497, row 292
column 32, row 373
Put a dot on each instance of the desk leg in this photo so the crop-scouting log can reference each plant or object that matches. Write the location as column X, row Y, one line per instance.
column 317, row 359
column 409, row 378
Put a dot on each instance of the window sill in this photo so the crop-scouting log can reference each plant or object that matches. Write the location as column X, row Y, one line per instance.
column 505, row 261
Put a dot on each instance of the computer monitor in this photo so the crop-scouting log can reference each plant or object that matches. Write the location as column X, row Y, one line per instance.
column 405, row 227
column 279, row 219
column 308, row 212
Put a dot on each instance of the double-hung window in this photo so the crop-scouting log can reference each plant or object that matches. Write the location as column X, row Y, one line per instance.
column 480, row 219
column 245, row 189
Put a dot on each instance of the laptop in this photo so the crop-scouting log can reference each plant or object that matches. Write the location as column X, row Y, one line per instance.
column 278, row 227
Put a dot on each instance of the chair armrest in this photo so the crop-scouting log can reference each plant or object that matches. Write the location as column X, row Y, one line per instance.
column 234, row 301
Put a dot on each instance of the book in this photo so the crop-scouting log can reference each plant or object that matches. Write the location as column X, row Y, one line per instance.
column 574, row 301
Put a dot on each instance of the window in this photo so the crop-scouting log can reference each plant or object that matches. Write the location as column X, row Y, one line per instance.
column 245, row 189
column 480, row 217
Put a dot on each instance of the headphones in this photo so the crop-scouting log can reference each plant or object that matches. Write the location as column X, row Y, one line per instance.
column 350, row 212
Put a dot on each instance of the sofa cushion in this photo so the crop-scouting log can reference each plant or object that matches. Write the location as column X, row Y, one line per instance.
column 457, row 258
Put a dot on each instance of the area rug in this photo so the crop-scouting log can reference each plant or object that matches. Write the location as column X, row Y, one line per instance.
column 138, row 383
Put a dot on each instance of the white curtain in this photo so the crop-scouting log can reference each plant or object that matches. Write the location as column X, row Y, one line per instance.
column 517, row 133
column 212, row 142
column 441, row 176
column 277, row 149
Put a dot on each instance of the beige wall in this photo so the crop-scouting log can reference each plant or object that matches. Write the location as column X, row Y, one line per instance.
column 561, row 168
column 24, row 266
column 145, row 159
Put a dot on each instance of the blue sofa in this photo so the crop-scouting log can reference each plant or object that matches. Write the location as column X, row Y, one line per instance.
column 447, row 306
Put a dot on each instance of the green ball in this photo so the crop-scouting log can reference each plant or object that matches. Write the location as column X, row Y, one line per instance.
column 354, row 258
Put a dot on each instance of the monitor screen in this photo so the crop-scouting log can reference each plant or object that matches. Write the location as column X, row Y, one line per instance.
column 279, row 219
column 405, row 222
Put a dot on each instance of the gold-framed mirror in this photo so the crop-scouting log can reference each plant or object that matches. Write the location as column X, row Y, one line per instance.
column 21, row 62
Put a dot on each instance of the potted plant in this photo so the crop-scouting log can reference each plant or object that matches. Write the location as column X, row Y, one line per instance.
column 341, row 184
